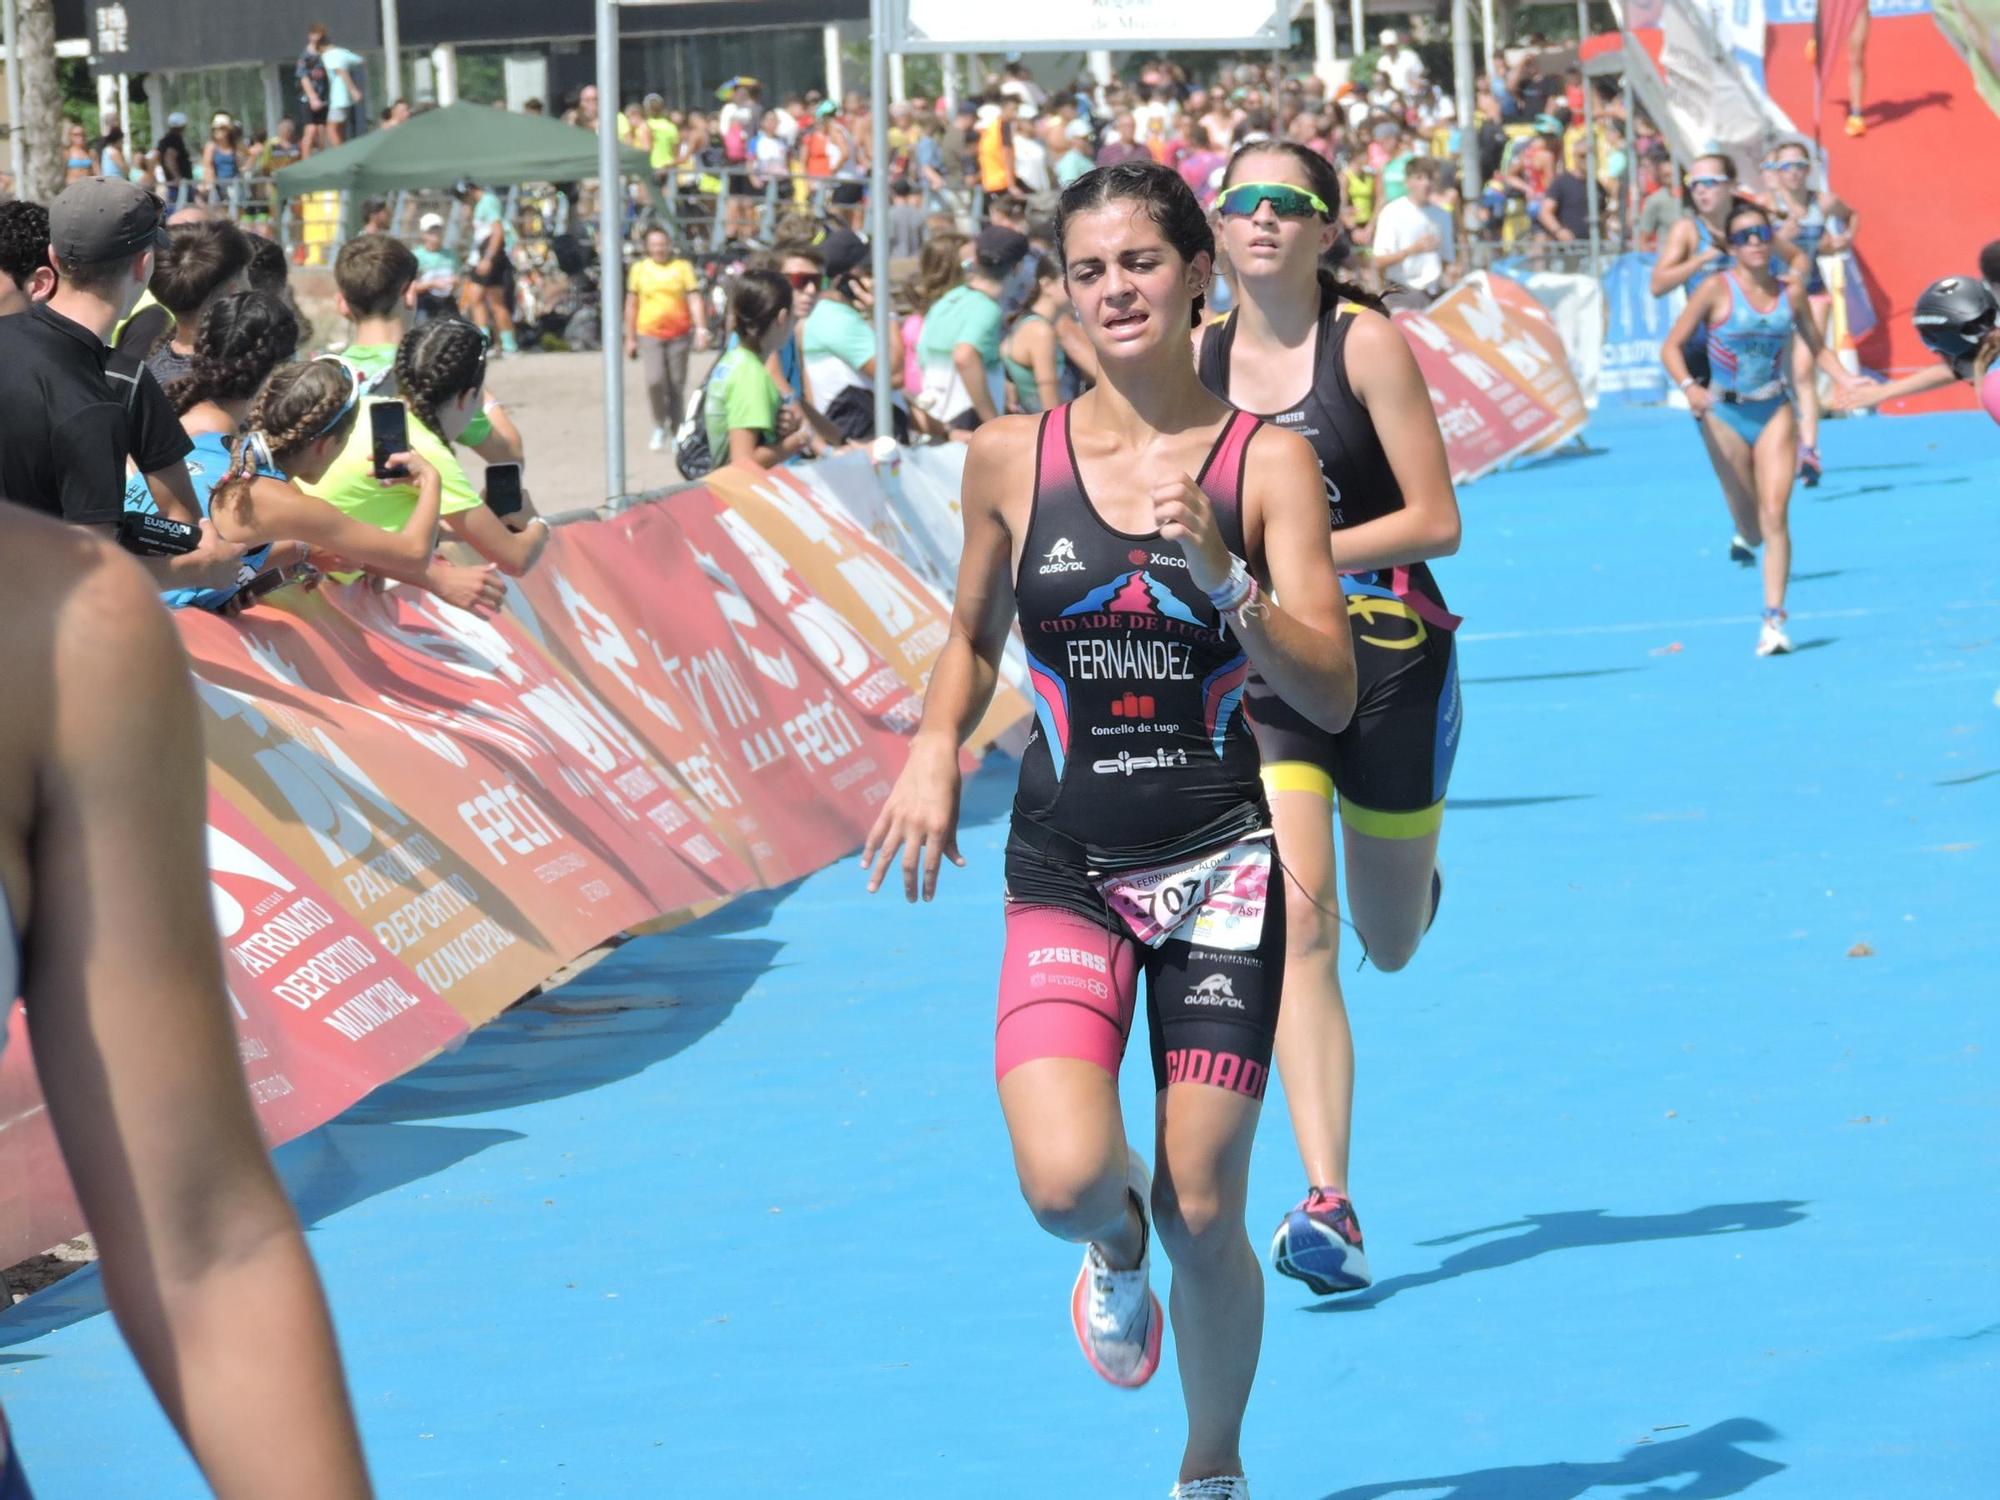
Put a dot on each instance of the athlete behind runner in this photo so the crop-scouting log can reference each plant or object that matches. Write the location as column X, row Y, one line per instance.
column 1747, row 315
column 1805, row 221
column 1695, row 249
column 107, row 934
column 1141, row 839
column 1318, row 358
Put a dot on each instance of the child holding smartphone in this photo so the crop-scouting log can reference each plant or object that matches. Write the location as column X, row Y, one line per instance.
column 441, row 380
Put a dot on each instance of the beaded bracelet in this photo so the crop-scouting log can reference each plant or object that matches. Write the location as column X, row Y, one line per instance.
column 1235, row 589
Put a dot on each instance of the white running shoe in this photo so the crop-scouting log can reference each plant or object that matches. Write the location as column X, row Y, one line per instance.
column 1741, row 552
column 1772, row 640
column 1117, row 1318
column 1219, row 1487
column 659, row 439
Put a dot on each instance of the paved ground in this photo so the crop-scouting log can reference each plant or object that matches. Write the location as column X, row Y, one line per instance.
column 558, row 402
column 1676, row 1144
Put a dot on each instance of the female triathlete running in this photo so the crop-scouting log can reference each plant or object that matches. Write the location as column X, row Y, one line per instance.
column 1805, row 220
column 1746, row 318
column 1695, row 249
column 106, row 931
column 1319, row 359
column 1141, row 839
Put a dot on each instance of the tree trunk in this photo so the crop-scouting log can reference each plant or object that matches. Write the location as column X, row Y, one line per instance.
column 41, row 122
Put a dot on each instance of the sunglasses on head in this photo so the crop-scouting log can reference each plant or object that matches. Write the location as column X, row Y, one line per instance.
column 802, row 280
column 1287, row 201
column 1708, row 182
column 1756, row 234
column 355, row 384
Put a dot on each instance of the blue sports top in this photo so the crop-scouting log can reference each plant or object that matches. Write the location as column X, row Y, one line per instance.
column 1746, row 351
column 206, row 466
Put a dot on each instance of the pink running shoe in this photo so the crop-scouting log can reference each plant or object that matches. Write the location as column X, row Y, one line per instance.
column 1117, row 1318
column 1319, row 1243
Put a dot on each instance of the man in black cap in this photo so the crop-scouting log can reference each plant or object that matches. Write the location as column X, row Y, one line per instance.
column 960, row 344
column 839, row 343
column 72, row 411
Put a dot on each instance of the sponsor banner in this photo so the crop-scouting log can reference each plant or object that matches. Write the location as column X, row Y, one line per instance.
column 1636, row 324
column 798, row 798
column 1478, row 431
column 857, row 579
column 312, row 773
column 1576, row 307
column 848, row 483
column 470, row 786
column 323, row 1013
column 417, row 815
column 1498, row 375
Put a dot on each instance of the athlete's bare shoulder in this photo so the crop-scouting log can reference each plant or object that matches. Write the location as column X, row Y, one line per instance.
column 1000, row 464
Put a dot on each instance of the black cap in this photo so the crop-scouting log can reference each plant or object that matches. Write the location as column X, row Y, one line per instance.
column 999, row 247
column 844, row 252
column 100, row 218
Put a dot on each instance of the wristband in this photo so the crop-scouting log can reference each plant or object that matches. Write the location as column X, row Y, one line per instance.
column 1254, row 606
column 1688, row 382
column 1235, row 588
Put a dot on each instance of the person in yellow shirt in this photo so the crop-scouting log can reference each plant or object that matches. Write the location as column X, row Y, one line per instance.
column 664, row 319
column 666, row 137
column 996, row 146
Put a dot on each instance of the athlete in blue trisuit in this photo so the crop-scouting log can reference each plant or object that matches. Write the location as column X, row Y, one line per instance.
column 1746, row 317
column 1814, row 223
column 1693, row 251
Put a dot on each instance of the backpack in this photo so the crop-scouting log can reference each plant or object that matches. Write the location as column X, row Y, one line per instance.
column 733, row 146
column 691, row 449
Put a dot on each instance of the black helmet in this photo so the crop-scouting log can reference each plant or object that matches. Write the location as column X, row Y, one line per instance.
column 1954, row 315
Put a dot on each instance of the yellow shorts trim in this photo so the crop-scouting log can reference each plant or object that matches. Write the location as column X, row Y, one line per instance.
column 1297, row 776
column 1392, row 825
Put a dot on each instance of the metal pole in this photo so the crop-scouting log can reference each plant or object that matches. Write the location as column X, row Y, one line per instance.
column 1359, row 25
column 17, row 144
column 878, row 207
column 1469, row 185
column 899, row 88
column 947, row 65
column 392, row 50
column 1631, row 170
column 610, row 249
column 1323, row 41
column 1590, row 146
column 1486, row 41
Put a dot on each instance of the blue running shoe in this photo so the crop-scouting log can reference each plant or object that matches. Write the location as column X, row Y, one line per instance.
column 1320, row 1244
column 1741, row 552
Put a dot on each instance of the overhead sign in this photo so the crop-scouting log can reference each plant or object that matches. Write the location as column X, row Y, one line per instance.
column 1064, row 25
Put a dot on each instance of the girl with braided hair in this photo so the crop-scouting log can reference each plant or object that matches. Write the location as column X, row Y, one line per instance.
column 441, row 378
column 300, row 417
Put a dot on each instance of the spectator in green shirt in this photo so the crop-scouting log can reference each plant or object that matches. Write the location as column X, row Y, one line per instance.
column 742, row 407
column 666, row 137
column 964, row 380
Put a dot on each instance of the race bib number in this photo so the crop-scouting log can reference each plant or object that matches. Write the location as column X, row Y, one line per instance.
column 1214, row 901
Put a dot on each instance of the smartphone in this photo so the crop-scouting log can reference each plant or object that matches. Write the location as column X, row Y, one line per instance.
column 152, row 535
column 270, row 582
column 503, row 488
column 388, row 433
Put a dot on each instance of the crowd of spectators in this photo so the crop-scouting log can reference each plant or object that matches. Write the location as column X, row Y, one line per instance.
column 156, row 366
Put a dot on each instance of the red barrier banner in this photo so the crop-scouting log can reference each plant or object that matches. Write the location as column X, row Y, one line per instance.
column 324, row 1013
column 1500, row 381
column 854, row 577
column 417, row 816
